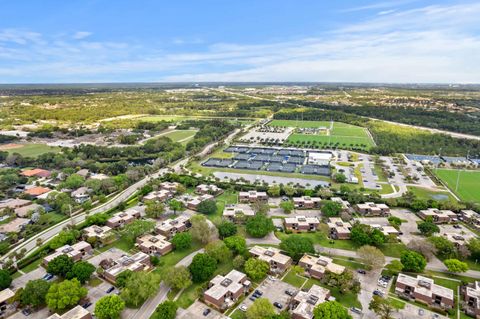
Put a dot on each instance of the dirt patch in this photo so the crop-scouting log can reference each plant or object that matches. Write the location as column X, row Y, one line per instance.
column 10, row 146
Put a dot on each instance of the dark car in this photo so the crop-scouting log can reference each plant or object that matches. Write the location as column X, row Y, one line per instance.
column 253, row 298
column 278, row 305
column 109, row 290
column 206, row 312
column 48, row 276
column 26, row 312
column 378, row 293
column 356, row 310
column 361, row 271
column 290, row 292
column 86, row 305
column 457, row 226
column 258, row 292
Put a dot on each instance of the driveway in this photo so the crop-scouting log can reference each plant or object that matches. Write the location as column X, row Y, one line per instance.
column 195, row 311
column 23, row 279
column 270, row 239
column 368, row 285
column 409, row 224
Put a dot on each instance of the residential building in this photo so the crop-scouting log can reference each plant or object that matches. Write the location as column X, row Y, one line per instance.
column 102, row 234
column 160, row 195
column 123, row 218
column 471, row 217
column 208, row 189
column 372, row 209
column 169, row 186
column 471, row 298
column 238, row 213
column 438, row 216
column 424, row 290
column 459, row 240
column 195, row 201
column 5, row 296
column 76, row 313
column 316, row 267
column 37, row 172
column 338, row 228
column 278, row 262
column 112, row 268
column 25, row 211
column 37, row 191
column 304, row 302
column 76, row 251
column 299, row 224
column 81, row 194
column 14, row 203
column 252, row 197
column 307, row 202
column 154, row 244
column 170, row 227
column 386, row 230
column 345, row 204
column 14, row 226
column 224, row 291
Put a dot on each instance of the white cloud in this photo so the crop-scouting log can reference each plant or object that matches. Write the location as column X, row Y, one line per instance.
column 80, row 35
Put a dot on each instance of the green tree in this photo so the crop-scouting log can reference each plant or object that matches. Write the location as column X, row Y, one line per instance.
column 256, row 269
column 445, row 248
column 362, row 234
column 331, row 208
column 331, row 310
column 139, row 287
column 81, row 270
column 289, row 190
column 238, row 262
column 296, row 246
column 154, row 209
column 371, row 256
column 259, row 226
column 428, row 228
column 413, row 261
column 63, row 238
column 176, row 206
column 260, row 309
column 202, row 267
column 178, row 277
column 473, row 246
column 274, row 190
column 237, row 244
column 226, row 229
column 35, row 292
column 218, row 250
column 455, row 265
column 287, row 206
column 137, row 228
column 60, row 266
column 395, row 221
column 339, row 178
column 73, row 181
column 5, row 279
column 394, row 267
column 207, row 207
column 166, row 310
column 65, row 294
column 109, row 307
column 201, row 230
column 182, row 241
column 123, row 277
column 383, row 307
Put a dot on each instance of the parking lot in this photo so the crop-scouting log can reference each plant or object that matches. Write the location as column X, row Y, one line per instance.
column 196, row 311
column 95, row 293
column 273, row 290
column 23, row 279
column 409, row 225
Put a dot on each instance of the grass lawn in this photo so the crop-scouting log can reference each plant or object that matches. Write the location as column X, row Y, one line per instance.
column 426, row 194
column 293, row 279
column 346, row 299
column 349, row 263
column 320, row 239
column 393, row 250
column 171, row 259
column 32, row 266
column 33, row 150
column 238, row 314
column 94, row 282
column 120, row 243
column 468, row 183
column 397, row 303
column 302, row 124
column 179, row 135
column 223, row 199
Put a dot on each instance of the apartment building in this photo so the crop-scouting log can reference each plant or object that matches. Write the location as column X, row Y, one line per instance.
column 424, row 290
column 339, row 229
column 76, row 313
column 123, row 218
column 208, row 189
column 76, row 251
column 112, row 268
column 307, row 202
column 238, row 213
column 154, row 244
column 170, row 227
column 372, row 209
column 224, row 291
column 102, row 234
column 386, row 230
column 316, row 267
column 169, row 186
column 471, row 299
column 252, row 197
column 438, row 216
column 195, row 201
column 471, row 217
column 459, row 240
column 278, row 262
column 345, row 204
column 160, row 195
column 304, row 302
column 299, row 224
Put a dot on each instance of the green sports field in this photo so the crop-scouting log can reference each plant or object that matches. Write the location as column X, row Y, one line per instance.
column 181, row 135
column 468, row 185
column 33, row 150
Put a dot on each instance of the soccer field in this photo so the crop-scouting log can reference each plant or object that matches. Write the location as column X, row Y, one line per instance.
column 468, row 186
column 33, row 150
column 181, row 135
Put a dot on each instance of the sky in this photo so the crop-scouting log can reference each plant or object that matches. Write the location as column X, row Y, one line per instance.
column 391, row 41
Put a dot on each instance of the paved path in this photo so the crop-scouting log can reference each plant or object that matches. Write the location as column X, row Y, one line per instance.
column 270, row 239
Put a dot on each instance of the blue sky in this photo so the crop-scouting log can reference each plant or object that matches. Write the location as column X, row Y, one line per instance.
column 249, row 40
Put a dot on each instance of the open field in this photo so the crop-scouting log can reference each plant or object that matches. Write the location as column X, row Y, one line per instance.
column 181, row 135
column 468, row 183
column 426, row 194
column 303, row 124
column 33, row 150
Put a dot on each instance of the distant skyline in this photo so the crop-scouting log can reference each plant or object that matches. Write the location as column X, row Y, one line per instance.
column 392, row 41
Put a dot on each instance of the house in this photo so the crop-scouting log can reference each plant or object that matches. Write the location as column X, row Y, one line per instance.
column 14, row 203
column 195, row 201
column 224, row 291
column 339, row 229
column 304, row 302
column 386, row 230
column 123, row 218
column 169, row 186
column 112, row 268
column 25, row 211
column 307, row 202
column 471, row 217
column 459, row 240
column 238, row 213
column 424, row 290
column 316, row 267
column 76, row 313
column 208, row 189
column 278, row 262
column 372, row 209
column 345, row 204
column 170, row 227
column 154, row 244
column 76, row 251
column 161, row 195
column 37, row 191
column 471, row 298
column 252, row 197
column 102, row 234
column 37, row 172
column 14, row 226
column 81, row 194
column 83, row 172
column 299, row 224
column 438, row 216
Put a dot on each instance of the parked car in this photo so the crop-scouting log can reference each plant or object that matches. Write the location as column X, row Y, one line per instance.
column 362, row 271
column 356, row 310
column 48, row 276
column 243, row 307
column 278, row 305
column 206, row 312
column 258, row 292
column 109, row 290
column 290, row 292
column 86, row 305
column 421, row 312
column 378, row 293
column 253, row 298
column 26, row 312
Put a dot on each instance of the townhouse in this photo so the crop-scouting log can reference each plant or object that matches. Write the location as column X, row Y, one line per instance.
column 170, row 227
column 307, row 202
column 338, row 229
column 372, row 209
column 102, row 235
column 112, row 268
column 76, row 313
column 195, row 201
column 154, row 244
column 424, row 290
column 316, row 267
column 304, row 302
column 438, row 216
column 471, row 299
column 77, row 251
column 299, row 224
column 238, row 213
column 345, row 204
column 278, row 262
column 224, row 291
column 123, row 218
column 208, row 189
column 252, row 197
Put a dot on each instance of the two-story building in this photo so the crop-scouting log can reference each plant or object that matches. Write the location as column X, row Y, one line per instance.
column 304, row 302
column 224, row 291
column 154, row 244
column 112, row 268
column 170, row 227
column 307, row 202
column 101, row 235
column 338, row 229
column 278, row 262
column 208, row 189
column 299, row 224
column 123, row 218
column 252, row 197
column 438, row 216
column 238, row 213
column 77, row 251
column 316, row 267
column 373, row 209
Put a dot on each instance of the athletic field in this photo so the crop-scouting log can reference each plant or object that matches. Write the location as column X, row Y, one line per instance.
column 468, row 183
column 181, row 135
column 29, row 150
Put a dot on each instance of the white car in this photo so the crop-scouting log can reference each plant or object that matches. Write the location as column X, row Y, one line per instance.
column 382, row 283
column 243, row 307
